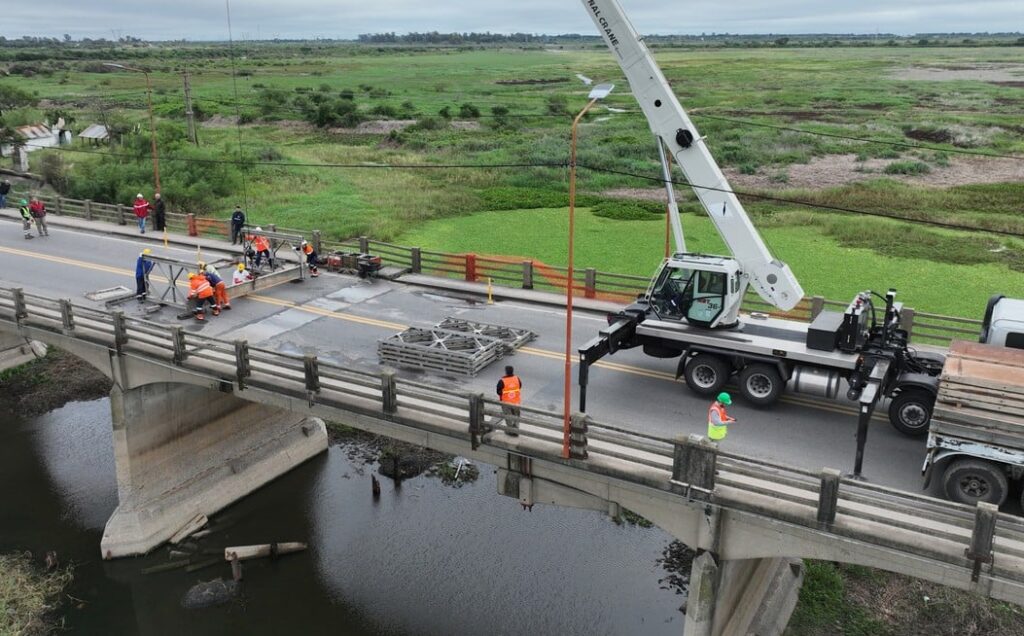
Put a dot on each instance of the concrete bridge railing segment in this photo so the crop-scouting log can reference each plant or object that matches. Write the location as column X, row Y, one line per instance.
column 735, row 506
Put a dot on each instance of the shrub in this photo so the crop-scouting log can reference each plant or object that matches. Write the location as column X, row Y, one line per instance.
column 445, row 112
column 907, row 167
column 384, row 110
column 629, row 210
column 469, row 111
column 428, row 123
column 246, row 117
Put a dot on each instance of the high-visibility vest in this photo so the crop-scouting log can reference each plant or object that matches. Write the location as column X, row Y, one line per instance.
column 717, row 431
column 261, row 244
column 510, row 389
column 200, row 288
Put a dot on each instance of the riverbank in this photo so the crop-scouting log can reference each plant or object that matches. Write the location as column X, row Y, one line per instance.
column 29, row 595
column 50, row 382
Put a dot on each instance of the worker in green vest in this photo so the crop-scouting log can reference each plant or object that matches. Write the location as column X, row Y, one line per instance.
column 718, row 419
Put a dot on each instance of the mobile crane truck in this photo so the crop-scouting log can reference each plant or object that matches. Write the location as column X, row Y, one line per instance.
column 691, row 309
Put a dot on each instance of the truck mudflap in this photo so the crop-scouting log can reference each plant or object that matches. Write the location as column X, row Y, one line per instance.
column 929, row 467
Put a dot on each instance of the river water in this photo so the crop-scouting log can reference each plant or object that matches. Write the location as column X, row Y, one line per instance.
column 425, row 558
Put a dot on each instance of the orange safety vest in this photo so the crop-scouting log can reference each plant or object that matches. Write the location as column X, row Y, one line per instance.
column 717, row 431
column 200, row 288
column 510, row 389
column 261, row 244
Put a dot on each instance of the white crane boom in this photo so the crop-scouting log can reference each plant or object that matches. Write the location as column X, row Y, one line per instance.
column 771, row 278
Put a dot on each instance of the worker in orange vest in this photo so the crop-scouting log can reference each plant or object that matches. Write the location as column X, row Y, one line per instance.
column 200, row 292
column 220, row 288
column 718, row 419
column 510, row 390
column 261, row 246
column 311, row 259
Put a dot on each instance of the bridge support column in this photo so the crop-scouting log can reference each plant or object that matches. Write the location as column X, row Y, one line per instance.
column 746, row 596
column 16, row 351
column 182, row 450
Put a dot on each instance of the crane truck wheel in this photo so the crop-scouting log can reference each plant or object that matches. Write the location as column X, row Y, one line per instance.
column 706, row 374
column 971, row 481
column 911, row 411
column 761, row 384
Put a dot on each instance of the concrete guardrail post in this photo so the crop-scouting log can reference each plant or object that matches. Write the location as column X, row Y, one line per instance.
column 828, row 497
column 120, row 331
column 590, row 283
column 694, row 460
column 87, row 209
column 243, row 369
column 578, row 426
column 477, row 427
column 312, row 370
column 364, row 245
column 67, row 315
column 415, row 260
column 388, row 392
column 20, row 310
column 527, row 274
column 122, row 212
column 59, row 205
column 178, row 342
column 817, row 306
column 315, row 240
column 471, row 268
column 907, row 321
column 980, row 549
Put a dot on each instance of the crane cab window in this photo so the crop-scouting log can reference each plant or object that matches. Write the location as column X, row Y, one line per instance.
column 673, row 293
column 711, row 283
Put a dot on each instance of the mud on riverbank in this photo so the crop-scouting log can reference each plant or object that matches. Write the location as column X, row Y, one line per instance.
column 50, row 382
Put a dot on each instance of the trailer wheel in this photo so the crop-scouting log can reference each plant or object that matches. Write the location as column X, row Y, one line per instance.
column 706, row 374
column 971, row 481
column 911, row 411
column 761, row 384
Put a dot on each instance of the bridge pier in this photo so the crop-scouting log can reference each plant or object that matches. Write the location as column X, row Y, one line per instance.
column 742, row 596
column 16, row 351
column 181, row 450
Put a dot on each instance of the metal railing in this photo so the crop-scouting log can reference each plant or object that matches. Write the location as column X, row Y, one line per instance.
column 927, row 328
column 693, row 468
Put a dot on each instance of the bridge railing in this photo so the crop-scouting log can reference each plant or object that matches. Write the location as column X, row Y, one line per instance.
column 693, row 468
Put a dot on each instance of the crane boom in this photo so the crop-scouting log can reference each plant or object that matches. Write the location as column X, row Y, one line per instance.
column 771, row 278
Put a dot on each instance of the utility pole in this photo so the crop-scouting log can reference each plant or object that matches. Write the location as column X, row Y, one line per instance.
column 189, row 115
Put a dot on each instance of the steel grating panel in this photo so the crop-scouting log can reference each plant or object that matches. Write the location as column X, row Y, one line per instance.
column 454, row 346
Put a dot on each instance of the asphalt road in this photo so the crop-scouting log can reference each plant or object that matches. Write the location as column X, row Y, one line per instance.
column 342, row 318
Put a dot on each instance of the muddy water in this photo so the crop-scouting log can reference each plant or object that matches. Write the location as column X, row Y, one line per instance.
column 424, row 559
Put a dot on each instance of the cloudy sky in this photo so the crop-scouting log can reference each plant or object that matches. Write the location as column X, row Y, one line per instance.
column 252, row 19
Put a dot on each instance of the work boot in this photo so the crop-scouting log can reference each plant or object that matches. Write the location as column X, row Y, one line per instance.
column 226, row 307
column 216, row 311
column 200, row 317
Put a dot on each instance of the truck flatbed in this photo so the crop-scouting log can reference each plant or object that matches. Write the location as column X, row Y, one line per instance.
column 770, row 337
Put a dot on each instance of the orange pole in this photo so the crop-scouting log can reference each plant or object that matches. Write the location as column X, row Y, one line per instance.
column 567, row 395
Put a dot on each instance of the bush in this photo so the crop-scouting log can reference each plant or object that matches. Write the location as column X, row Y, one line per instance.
column 54, row 171
column 384, row 110
column 629, row 210
column 523, row 198
column 469, row 111
column 428, row 123
column 246, row 117
column 445, row 112
column 907, row 167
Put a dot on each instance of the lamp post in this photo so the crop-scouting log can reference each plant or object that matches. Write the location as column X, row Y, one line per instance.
column 152, row 122
column 599, row 92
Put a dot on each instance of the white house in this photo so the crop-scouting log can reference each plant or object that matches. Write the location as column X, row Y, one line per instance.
column 36, row 137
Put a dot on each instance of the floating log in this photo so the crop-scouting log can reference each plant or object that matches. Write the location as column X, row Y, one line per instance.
column 193, row 525
column 199, row 565
column 166, row 567
column 244, row 552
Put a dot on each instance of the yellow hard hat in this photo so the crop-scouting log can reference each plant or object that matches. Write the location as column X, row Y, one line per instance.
column 191, row 275
column 241, row 267
column 147, row 251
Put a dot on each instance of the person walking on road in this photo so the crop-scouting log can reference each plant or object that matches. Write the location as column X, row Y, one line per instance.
column 201, row 293
column 141, row 207
column 5, row 189
column 142, row 270
column 718, row 419
column 237, row 223
column 26, row 218
column 510, row 390
column 159, row 213
column 38, row 211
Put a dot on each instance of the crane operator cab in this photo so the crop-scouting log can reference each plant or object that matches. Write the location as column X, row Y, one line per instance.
column 703, row 290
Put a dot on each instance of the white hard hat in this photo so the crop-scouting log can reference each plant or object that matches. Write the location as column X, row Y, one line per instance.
column 259, row 229
column 138, row 196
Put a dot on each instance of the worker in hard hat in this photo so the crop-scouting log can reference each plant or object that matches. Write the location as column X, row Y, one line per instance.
column 260, row 247
column 200, row 293
column 312, row 259
column 143, row 267
column 718, row 419
column 26, row 218
column 240, row 275
column 220, row 290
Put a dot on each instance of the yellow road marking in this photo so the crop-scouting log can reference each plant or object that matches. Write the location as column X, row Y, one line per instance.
column 553, row 355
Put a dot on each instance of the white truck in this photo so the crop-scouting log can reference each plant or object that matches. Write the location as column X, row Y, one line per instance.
column 692, row 307
column 976, row 436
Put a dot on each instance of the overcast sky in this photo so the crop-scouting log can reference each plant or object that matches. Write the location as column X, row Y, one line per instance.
column 252, row 19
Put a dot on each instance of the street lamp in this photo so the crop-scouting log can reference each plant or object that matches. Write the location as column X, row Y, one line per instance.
column 152, row 122
column 597, row 93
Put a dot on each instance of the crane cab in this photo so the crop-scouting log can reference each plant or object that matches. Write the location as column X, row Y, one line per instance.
column 703, row 290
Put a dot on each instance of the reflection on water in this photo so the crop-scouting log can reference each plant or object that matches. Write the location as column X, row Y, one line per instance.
column 424, row 559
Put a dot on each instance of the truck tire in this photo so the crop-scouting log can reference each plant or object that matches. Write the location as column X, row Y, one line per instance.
column 761, row 384
column 706, row 374
column 910, row 412
column 972, row 480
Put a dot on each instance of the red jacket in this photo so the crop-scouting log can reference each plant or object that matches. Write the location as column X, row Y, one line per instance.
column 37, row 209
column 141, row 208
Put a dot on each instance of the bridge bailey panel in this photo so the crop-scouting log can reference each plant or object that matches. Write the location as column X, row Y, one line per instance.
column 182, row 450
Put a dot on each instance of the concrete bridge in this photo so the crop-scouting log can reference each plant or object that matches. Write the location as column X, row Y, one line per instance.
column 200, row 422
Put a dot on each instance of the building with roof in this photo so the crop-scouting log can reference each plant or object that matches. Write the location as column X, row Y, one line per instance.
column 35, row 137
